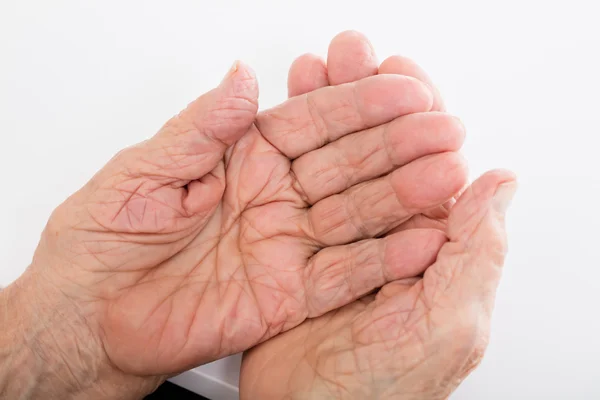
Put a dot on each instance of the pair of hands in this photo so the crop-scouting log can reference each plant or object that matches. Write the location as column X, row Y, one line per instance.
column 229, row 227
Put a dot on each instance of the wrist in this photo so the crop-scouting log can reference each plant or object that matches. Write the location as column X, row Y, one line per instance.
column 48, row 350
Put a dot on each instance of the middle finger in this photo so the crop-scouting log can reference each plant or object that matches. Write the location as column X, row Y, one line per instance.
column 372, row 153
column 372, row 208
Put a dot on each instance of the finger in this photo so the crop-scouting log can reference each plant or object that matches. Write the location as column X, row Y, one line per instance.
column 307, row 122
column 469, row 266
column 307, row 73
column 191, row 144
column 405, row 66
column 375, row 207
column 339, row 275
column 372, row 153
column 436, row 218
column 350, row 57
column 420, row 221
column 395, row 288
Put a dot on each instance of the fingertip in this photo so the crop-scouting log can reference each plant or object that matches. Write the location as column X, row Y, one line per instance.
column 459, row 166
column 351, row 36
column 435, row 239
column 240, row 81
column 427, row 94
column 400, row 65
column 478, row 199
column 486, row 185
column 393, row 96
column 448, row 132
column 240, row 69
column 350, row 57
column 410, row 252
column 503, row 184
column 307, row 73
column 503, row 196
column 456, row 173
column 452, row 170
column 430, row 181
column 457, row 127
column 499, row 176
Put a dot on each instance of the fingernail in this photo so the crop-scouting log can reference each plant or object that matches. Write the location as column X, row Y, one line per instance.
column 231, row 71
column 503, row 196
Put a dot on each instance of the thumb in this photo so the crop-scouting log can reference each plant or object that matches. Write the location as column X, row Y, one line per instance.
column 192, row 143
column 469, row 265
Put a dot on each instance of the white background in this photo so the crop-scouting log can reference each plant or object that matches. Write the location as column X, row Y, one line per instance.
column 81, row 79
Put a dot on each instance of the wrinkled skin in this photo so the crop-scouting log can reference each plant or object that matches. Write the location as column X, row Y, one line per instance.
column 351, row 57
column 227, row 228
column 417, row 338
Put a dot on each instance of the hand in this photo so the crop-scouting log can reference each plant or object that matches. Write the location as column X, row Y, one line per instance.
column 227, row 228
column 351, row 57
column 416, row 338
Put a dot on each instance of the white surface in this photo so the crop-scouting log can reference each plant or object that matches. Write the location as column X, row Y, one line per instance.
column 217, row 380
column 81, row 79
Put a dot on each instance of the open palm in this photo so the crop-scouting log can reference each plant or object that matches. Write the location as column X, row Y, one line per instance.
column 228, row 227
column 417, row 338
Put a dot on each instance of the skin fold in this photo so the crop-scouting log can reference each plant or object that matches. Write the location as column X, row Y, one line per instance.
column 229, row 227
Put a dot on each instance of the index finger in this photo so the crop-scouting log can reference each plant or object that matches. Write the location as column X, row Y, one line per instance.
column 307, row 122
column 400, row 65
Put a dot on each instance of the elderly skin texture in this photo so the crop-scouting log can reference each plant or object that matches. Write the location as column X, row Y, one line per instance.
column 227, row 228
column 416, row 338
